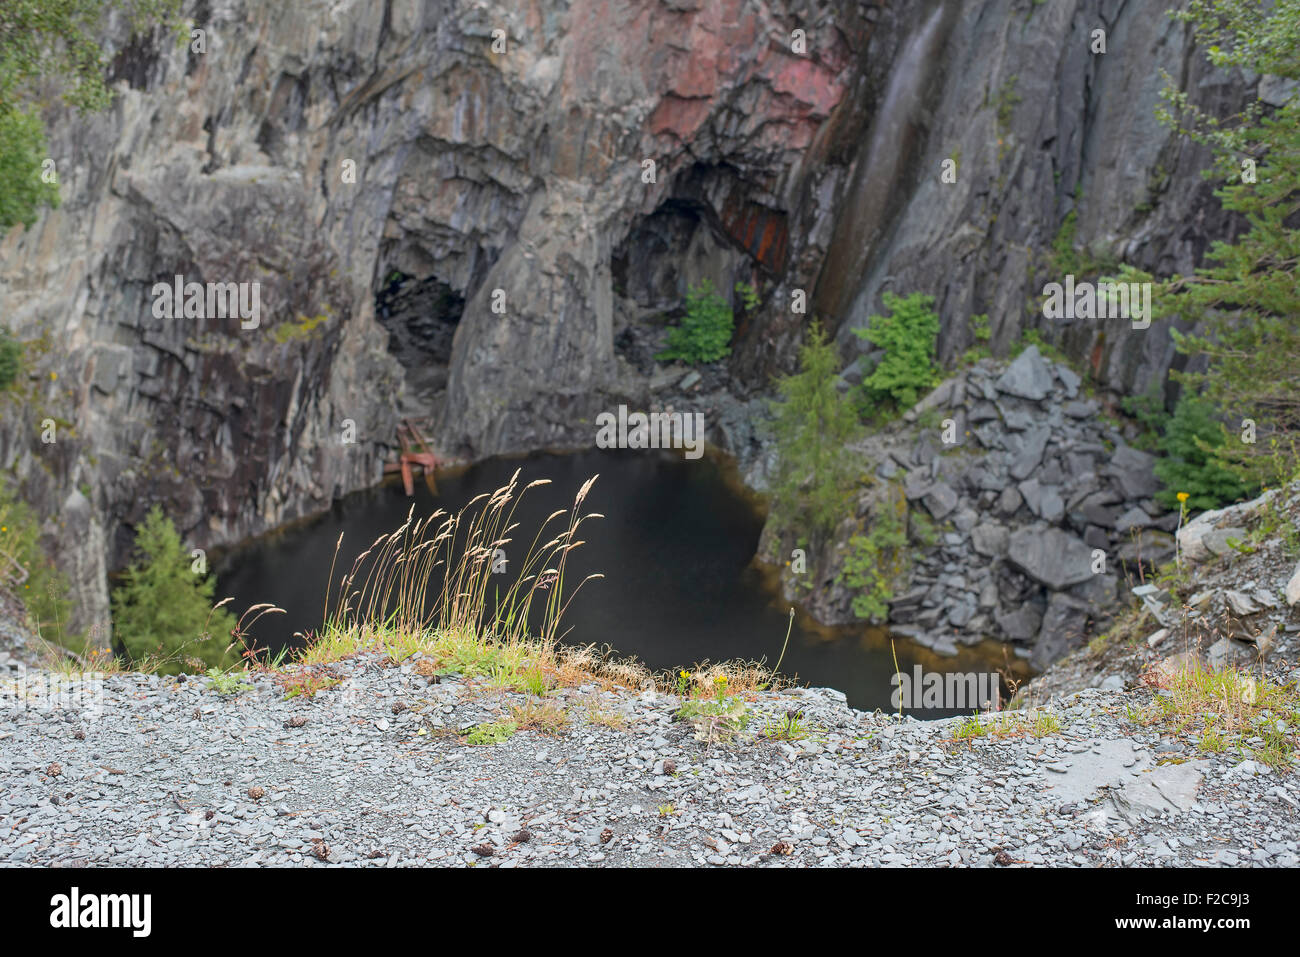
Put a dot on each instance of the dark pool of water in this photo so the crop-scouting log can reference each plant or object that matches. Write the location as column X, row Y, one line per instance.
column 676, row 548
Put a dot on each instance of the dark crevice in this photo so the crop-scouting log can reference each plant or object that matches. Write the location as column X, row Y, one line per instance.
column 420, row 316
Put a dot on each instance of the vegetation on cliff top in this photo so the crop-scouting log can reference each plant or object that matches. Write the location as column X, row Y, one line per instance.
column 43, row 40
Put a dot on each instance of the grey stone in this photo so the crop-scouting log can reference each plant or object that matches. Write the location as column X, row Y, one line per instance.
column 1094, row 536
column 1293, row 587
column 1133, row 469
column 1133, row 518
column 1217, row 541
column 1149, row 545
column 1009, row 501
column 940, row 499
column 1240, row 602
column 1192, row 535
column 1029, row 452
column 855, row 371
column 964, row 519
column 1165, row 788
column 1052, row 556
column 990, row 539
column 1108, row 763
column 1062, row 629
column 1276, row 90
column 1027, row 377
column 1070, row 380
column 1022, row 624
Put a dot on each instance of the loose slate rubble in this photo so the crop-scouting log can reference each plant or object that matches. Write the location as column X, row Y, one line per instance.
column 151, row 784
column 1039, row 496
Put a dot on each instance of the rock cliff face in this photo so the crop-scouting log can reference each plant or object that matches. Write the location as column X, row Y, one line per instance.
column 496, row 158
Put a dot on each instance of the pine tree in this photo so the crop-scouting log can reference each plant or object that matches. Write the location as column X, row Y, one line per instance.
column 813, row 423
column 163, row 609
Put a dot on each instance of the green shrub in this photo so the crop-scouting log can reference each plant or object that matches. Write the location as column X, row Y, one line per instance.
column 749, row 299
column 876, row 559
column 497, row 732
column 163, row 611
column 815, row 474
column 908, row 335
column 22, row 150
column 55, row 40
column 11, row 355
column 227, row 682
column 1188, row 461
column 705, row 332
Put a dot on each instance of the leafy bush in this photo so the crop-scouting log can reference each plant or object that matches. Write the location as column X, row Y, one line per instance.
column 907, row 334
column 497, row 732
column 22, row 150
column 875, row 560
column 43, row 40
column 749, row 298
column 813, row 422
column 163, row 609
column 227, row 682
column 1189, row 462
column 11, row 354
column 705, row 333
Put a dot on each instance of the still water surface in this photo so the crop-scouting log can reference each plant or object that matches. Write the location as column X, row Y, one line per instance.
column 676, row 547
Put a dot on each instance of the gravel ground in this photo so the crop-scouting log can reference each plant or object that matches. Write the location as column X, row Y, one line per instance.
column 376, row 772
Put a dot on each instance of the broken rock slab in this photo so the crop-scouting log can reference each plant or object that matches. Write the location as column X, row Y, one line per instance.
column 1109, row 763
column 1134, row 471
column 1168, row 788
column 940, row 500
column 1050, row 556
column 1191, row 537
column 1030, row 452
column 1028, row 377
column 1158, row 603
column 990, row 539
column 1063, row 629
column 1241, row 603
column 1219, row 541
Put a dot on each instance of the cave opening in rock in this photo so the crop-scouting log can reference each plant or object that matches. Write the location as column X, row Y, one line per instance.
column 420, row 316
column 673, row 249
